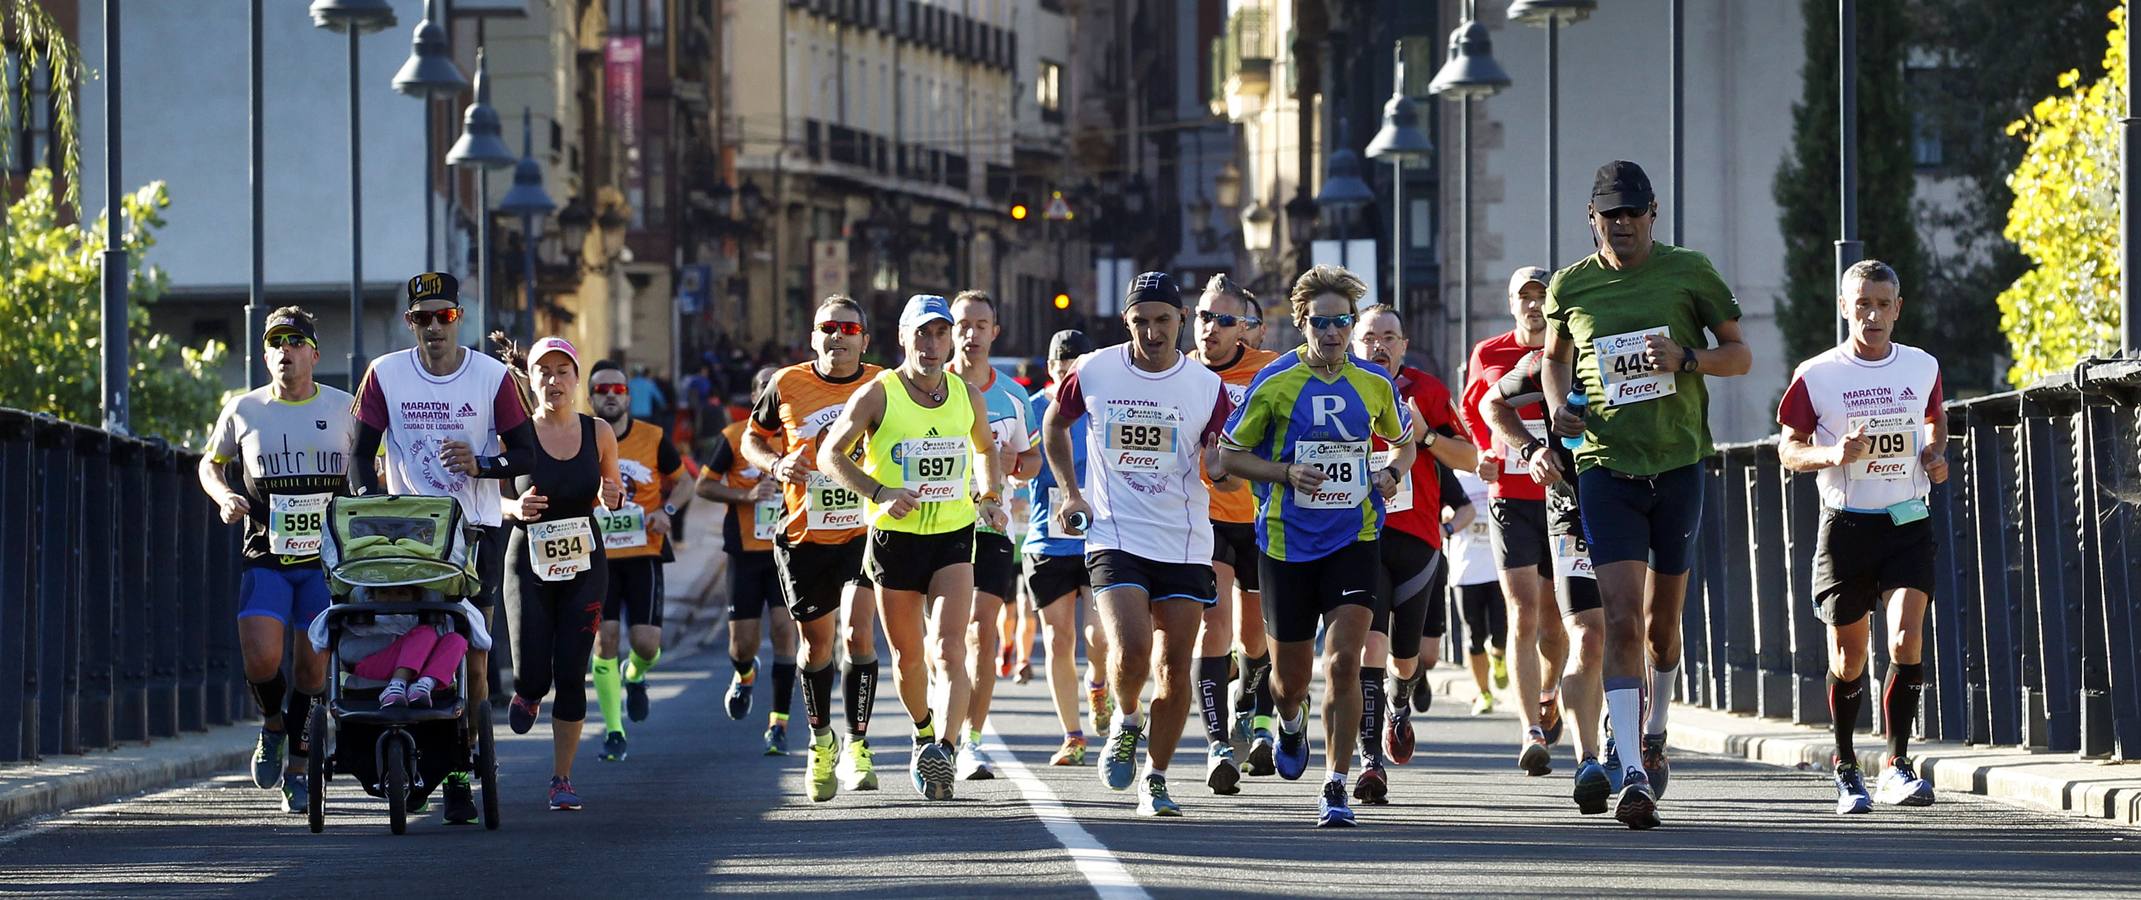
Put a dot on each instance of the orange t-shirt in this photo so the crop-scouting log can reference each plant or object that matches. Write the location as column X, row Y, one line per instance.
column 651, row 466
column 795, row 409
column 727, row 461
column 1238, row 507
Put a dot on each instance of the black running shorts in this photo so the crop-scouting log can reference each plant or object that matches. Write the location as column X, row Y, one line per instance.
column 900, row 561
column 1861, row 557
column 1234, row 543
column 754, row 584
column 813, row 576
column 636, row 592
column 1051, row 578
column 1518, row 528
column 1110, row 569
column 1299, row 594
column 995, row 565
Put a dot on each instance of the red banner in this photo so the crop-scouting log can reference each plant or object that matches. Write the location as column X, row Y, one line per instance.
column 622, row 60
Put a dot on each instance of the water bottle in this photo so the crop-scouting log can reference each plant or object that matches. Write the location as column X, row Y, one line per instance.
column 1078, row 521
column 1578, row 402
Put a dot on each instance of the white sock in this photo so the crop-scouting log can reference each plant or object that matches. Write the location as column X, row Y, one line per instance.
column 1661, row 699
column 1131, row 719
column 1153, row 768
column 1339, row 777
column 1295, row 724
column 1624, row 708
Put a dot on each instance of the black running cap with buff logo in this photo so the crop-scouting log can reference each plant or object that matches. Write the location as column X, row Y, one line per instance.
column 434, row 286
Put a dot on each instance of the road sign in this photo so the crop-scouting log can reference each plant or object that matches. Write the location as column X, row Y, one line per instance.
column 1058, row 210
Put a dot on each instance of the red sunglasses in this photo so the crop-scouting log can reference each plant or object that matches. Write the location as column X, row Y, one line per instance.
column 422, row 318
column 847, row 328
column 610, row 389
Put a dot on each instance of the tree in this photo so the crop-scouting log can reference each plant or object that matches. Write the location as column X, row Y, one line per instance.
column 29, row 30
column 50, row 302
column 2066, row 220
column 1805, row 186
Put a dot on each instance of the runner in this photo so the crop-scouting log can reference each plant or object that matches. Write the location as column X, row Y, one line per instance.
column 1858, row 415
column 636, row 538
column 1411, row 608
column 1474, row 580
column 747, row 533
column 819, row 548
column 1238, row 618
column 557, row 569
column 1252, row 333
column 995, row 561
column 1055, row 570
column 1630, row 318
column 922, row 426
column 1539, row 644
column 1303, row 435
column 1155, row 421
column 433, row 407
column 291, row 439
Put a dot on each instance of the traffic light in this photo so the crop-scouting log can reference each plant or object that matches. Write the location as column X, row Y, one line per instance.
column 1062, row 300
column 1020, row 212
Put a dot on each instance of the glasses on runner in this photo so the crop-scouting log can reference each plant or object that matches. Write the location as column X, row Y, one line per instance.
column 847, row 328
column 422, row 318
column 1251, row 321
column 1225, row 320
column 287, row 339
column 1319, row 323
column 1626, row 212
column 614, row 388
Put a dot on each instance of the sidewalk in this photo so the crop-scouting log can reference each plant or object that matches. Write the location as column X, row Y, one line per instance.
column 2052, row 782
column 697, row 581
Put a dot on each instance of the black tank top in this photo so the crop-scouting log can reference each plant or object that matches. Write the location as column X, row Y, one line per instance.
column 572, row 485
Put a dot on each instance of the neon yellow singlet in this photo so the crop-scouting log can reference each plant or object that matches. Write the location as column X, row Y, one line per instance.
column 927, row 451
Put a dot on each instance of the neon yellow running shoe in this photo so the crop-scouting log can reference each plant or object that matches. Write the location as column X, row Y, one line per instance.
column 856, row 771
column 824, row 757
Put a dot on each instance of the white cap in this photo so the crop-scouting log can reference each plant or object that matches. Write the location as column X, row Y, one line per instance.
column 1528, row 275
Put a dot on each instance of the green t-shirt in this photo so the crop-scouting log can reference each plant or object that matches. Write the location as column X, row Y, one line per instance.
column 1640, row 422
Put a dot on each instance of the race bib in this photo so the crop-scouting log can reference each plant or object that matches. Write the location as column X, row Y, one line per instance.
column 560, row 550
column 1402, row 500
column 1624, row 375
column 827, row 506
column 1894, row 452
column 1513, row 460
column 295, row 522
column 623, row 528
column 1344, row 465
column 766, row 519
column 934, row 468
column 1141, row 438
column 1055, row 527
column 1478, row 528
column 1572, row 558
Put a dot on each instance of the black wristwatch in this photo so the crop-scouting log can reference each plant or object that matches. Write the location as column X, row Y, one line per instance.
column 1688, row 362
column 1531, row 448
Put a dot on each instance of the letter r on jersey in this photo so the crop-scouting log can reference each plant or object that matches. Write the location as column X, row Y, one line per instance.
column 1328, row 407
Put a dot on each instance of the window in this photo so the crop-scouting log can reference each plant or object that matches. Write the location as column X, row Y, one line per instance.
column 1048, row 91
column 30, row 126
column 1930, row 116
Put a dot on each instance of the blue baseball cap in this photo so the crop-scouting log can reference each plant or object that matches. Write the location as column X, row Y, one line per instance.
column 922, row 308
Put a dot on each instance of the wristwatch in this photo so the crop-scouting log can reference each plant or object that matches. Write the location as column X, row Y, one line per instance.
column 1531, row 448
column 1688, row 362
column 1428, row 437
column 669, row 509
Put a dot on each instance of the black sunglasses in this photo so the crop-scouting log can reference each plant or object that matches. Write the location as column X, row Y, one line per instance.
column 1625, row 212
column 1225, row 320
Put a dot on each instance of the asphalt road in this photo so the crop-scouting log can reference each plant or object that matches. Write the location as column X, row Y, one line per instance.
column 697, row 808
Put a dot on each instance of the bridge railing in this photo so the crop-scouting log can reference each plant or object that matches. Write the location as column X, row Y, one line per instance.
column 2035, row 632
column 117, row 591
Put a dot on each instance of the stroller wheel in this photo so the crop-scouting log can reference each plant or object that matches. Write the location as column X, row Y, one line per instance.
column 394, row 766
column 487, row 766
column 316, row 768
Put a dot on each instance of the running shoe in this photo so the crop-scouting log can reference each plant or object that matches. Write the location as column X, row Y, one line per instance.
column 1119, row 767
column 1901, row 786
column 460, row 798
column 1006, row 660
column 1373, row 788
column 1537, row 758
column 1292, row 758
column 1071, row 754
column 1244, row 729
column 1655, row 765
column 1152, row 799
column 1851, row 796
column 268, row 758
column 396, row 693
column 635, row 701
column 562, row 796
column 858, row 771
column 1482, row 704
column 739, row 699
column 933, row 768
column 1220, row 772
column 296, row 793
column 1331, row 809
column 1423, row 694
column 1593, row 788
column 1550, row 718
column 824, row 758
column 613, row 747
column 1260, row 756
column 1500, row 668
column 420, row 693
column 1637, row 809
column 1024, row 674
column 973, row 766
column 777, row 739
column 521, row 716
column 1103, row 706
column 416, row 806
column 1398, row 737
column 1612, row 763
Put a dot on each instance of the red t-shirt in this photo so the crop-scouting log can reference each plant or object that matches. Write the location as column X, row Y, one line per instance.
column 1423, row 519
column 1491, row 359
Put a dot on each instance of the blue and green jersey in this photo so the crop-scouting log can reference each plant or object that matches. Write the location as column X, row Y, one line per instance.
column 1293, row 415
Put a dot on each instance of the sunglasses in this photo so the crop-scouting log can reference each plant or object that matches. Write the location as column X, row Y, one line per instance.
column 422, row 318
column 279, row 341
column 1225, row 320
column 1626, row 212
column 847, row 328
column 1318, row 323
column 611, row 389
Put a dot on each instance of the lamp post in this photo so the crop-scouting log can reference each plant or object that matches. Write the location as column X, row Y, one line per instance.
column 1400, row 141
column 1344, row 193
column 112, row 356
column 1553, row 14
column 1848, row 248
column 429, row 74
column 530, row 202
column 1676, row 76
column 1469, row 73
column 481, row 149
column 355, row 18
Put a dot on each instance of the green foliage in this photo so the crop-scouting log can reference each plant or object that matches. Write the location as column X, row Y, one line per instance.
column 50, row 300
column 33, row 32
column 2066, row 220
column 1806, row 182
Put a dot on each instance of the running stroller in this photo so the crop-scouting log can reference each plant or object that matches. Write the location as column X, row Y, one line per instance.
column 393, row 564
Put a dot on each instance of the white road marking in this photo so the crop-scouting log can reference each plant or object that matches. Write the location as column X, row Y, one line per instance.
column 1092, row 858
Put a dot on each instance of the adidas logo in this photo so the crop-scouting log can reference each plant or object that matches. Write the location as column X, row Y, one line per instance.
column 1908, row 394
column 466, row 410
column 932, row 432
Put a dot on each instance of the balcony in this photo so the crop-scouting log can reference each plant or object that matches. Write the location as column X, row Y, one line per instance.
column 1241, row 65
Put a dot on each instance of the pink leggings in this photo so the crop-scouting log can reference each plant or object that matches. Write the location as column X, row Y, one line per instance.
column 422, row 649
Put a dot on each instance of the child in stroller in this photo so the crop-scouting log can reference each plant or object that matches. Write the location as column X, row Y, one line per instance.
column 423, row 659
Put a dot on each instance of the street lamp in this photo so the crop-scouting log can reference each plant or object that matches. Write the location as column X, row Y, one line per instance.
column 428, row 74
column 1343, row 192
column 1553, row 14
column 1300, row 220
column 480, row 148
column 1400, row 141
column 1469, row 73
column 1257, row 220
column 1226, row 186
column 355, row 18
column 530, row 202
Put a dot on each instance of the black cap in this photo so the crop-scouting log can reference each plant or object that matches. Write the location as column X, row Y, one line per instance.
column 1070, row 343
column 287, row 322
column 1621, row 184
column 1153, row 287
column 434, row 286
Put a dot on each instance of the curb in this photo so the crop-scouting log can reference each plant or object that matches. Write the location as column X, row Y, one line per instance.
column 2048, row 782
column 78, row 781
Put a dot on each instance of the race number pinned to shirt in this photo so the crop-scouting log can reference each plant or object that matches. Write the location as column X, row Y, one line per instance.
column 1141, row 438
column 1893, row 454
column 766, row 518
column 1344, row 465
column 1514, row 461
column 1402, row 500
column 1055, row 522
column 623, row 528
column 1625, row 374
column 561, row 549
column 828, row 506
column 295, row 522
column 934, row 468
column 1572, row 558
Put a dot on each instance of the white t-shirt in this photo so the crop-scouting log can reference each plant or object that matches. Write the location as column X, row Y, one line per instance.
column 1894, row 398
column 1144, row 453
column 1471, row 551
column 419, row 411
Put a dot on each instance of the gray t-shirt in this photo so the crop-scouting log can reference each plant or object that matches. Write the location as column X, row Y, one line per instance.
column 294, row 457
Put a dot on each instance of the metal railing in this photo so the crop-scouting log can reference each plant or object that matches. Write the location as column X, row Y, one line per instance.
column 117, row 591
column 2035, row 625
